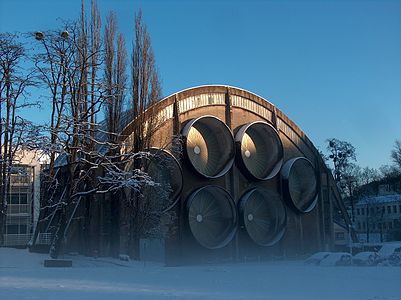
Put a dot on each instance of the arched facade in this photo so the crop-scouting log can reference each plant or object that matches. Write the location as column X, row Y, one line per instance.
column 253, row 183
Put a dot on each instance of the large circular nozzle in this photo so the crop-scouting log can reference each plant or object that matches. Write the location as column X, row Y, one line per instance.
column 259, row 150
column 212, row 216
column 166, row 173
column 263, row 215
column 209, row 146
column 300, row 184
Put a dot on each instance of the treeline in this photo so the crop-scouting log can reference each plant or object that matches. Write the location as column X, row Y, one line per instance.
column 355, row 182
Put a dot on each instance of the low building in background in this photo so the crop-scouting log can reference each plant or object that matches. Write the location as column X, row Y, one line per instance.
column 378, row 218
column 23, row 198
column 342, row 237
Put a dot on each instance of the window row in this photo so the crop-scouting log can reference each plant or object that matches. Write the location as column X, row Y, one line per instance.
column 376, row 226
column 200, row 100
column 17, row 229
column 251, row 106
column 340, row 236
column 389, row 209
column 18, row 198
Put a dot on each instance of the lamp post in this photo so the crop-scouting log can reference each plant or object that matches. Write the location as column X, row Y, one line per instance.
column 341, row 152
column 338, row 157
column 39, row 35
column 350, row 238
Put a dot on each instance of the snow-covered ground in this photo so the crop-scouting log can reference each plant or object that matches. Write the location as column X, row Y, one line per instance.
column 22, row 276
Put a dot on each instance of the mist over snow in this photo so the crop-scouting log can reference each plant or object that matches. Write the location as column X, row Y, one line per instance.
column 22, row 276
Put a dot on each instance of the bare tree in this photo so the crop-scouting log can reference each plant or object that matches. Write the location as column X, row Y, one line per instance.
column 120, row 75
column 109, row 38
column 68, row 66
column 146, row 89
column 91, row 171
column 368, row 175
column 15, row 131
column 389, row 171
column 115, row 82
column 396, row 154
column 342, row 154
column 115, row 76
column 145, row 92
column 345, row 172
column 52, row 68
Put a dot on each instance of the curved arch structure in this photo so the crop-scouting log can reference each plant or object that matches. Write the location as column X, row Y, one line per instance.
column 184, row 103
column 272, row 154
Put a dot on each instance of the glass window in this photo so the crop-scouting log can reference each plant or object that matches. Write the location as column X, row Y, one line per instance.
column 362, row 211
column 23, row 199
column 12, row 229
column 394, row 209
column 14, row 199
column 389, row 209
column 23, row 229
column 340, row 235
column 357, row 212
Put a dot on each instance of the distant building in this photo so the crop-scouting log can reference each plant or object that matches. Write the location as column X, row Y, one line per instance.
column 385, row 189
column 341, row 236
column 23, row 199
column 378, row 219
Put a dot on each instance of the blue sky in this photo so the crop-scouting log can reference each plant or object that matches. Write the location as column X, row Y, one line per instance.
column 334, row 67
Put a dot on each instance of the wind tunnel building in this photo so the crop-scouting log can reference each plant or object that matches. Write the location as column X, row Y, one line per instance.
column 248, row 183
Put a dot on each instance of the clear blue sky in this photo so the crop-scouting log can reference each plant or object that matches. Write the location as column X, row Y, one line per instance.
column 334, row 67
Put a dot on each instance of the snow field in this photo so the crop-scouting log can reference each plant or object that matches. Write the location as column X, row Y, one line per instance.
column 22, row 276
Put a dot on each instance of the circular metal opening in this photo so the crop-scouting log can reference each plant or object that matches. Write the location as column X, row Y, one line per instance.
column 164, row 170
column 212, row 216
column 209, row 146
column 263, row 215
column 260, row 150
column 300, row 184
